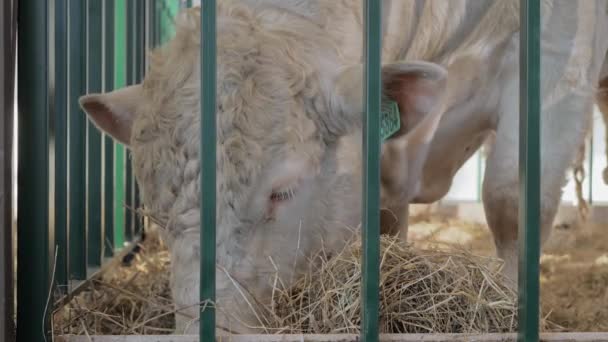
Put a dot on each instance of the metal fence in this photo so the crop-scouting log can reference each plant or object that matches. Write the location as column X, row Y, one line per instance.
column 76, row 189
column 529, row 170
column 76, row 185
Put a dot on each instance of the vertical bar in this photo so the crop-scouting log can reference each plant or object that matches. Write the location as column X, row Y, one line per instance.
column 7, row 67
column 371, row 172
column 130, row 72
column 151, row 28
column 120, row 71
column 529, row 171
column 108, row 143
column 168, row 28
column 140, row 56
column 34, row 262
column 208, row 168
column 94, row 85
column 76, row 142
column 129, row 220
column 61, row 136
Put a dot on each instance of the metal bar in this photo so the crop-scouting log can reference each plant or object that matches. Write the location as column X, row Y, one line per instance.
column 120, row 60
column 131, row 23
column 167, row 27
column 76, row 142
column 108, row 143
column 529, row 171
column 208, row 169
column 94, row 153
column 129, row 216
column 34, row 262
column 371, row 173
column 152, row 28
column 61, row 137
column 8, row 25
column 140, row 63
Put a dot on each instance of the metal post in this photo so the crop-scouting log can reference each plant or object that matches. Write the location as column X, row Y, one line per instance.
column 60, row 109
column 207, row 156
column 7, row 67
column 529, row 171
column 34, row 233
column 371, row 172
column 120, row 71
column 169, row 10
column 108, row 142
column 130, row 72
column 76, row 142
column 140, row 63
column 94, row 85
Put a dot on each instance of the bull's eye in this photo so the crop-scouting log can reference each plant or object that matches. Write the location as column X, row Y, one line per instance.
column 282, row 195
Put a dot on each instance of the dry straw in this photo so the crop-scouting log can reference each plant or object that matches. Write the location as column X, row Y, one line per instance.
column 421, row 291
column 123, row 300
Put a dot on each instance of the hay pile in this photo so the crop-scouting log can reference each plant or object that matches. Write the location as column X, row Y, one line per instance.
column 430, row 290
column 421, row 291
column 124, row 300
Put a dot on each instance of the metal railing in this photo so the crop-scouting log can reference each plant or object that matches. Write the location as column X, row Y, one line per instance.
column 529, row 170
column 73, row 180
column 76, row 188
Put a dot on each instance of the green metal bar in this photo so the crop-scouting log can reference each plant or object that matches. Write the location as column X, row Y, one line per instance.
column 140, row 57
column 154, row 24
column 189, row 3
column 76, row 142
column 34, row 262
column 8, row 27
column 120, row 22
column 94, row 167
column 529, row 171
column 169, row 11
column 131, row 23
column 129, row 216
column 61, row 137
column 208, row 168
column 371, row 172
column 108, row 143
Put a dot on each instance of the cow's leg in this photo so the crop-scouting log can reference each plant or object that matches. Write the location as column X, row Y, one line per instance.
column 602, row 103
column 563, row 130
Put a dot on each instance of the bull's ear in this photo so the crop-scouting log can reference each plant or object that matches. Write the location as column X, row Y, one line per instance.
column 422, row 95
column 419, row 88
column 114, row 112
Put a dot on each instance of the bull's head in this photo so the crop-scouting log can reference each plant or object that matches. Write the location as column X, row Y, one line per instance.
column 286, row 105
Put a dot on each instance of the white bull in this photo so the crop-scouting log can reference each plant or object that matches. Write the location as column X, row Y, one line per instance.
column 289, row 112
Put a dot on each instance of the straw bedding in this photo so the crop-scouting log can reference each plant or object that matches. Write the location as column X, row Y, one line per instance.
column 130, row 300
column 421, row 291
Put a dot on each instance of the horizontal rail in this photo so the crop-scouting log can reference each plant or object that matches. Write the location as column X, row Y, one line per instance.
column 548, row 337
